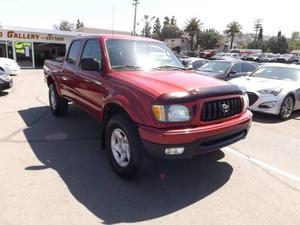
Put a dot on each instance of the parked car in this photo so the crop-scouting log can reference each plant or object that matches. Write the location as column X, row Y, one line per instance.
column 273, row 89
column 224, row 56
column 5, row 81
column 294, row 60
column 227, row 69
column 266, row 57
column 207, row 54
column 9, row 66
column 146, row 104
column 194, row 63
column 253, row 57
column 284, row 58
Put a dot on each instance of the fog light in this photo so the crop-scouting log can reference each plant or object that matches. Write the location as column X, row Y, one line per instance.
column 267, row 105
column 174, row 151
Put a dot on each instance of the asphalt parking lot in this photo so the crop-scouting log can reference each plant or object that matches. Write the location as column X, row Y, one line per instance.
column 52, row 171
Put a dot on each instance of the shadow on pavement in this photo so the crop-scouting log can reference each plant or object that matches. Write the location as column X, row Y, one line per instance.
column 267, row 118
column 71, row 147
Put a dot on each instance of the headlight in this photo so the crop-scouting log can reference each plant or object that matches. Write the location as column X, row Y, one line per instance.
column 272, row 91
column 172, row 113
column 246, row 102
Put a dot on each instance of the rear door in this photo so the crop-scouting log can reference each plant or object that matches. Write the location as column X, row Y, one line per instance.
column 67, row 76
column 90, row 81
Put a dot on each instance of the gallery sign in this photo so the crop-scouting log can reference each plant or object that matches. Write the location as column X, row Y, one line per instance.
column 31, row 36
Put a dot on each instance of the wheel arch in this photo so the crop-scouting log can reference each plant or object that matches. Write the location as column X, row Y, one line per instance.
column 109, row 110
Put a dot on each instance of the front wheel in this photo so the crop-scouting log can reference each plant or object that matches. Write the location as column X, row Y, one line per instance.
column 58, row 105
column 287, row 108
column 123, row 146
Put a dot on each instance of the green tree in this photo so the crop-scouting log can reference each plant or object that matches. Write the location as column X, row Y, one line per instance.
column 295, row 35
column 167, row 21
column 192, row 28
column 170, row 31
column 209, row 39
column 232, row 30
column 156, row 29
column 79, row 24
column 279, row 34
column 147, row 30
column 65, row 26
column 173, row 21
column 278, row 44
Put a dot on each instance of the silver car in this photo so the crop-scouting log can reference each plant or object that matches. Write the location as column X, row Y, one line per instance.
column 273, row 89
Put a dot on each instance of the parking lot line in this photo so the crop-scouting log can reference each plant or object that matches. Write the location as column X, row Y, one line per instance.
column 262, row 164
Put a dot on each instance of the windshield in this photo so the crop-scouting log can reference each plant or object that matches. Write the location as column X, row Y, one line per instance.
column 278, row 73
column 141, row 55
column 216, row 67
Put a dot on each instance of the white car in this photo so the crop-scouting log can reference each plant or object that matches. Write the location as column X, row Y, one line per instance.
column 9, row 66
column 273, row 89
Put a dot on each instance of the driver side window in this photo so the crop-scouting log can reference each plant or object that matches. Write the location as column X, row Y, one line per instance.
column 92, row 51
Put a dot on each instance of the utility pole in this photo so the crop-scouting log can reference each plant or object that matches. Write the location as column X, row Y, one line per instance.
column 135, row 3
column 257, row 26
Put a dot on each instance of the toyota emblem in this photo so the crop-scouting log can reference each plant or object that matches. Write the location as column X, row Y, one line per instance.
column 225, row 108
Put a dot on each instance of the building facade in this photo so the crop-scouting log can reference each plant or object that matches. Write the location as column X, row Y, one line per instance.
column 30, row 47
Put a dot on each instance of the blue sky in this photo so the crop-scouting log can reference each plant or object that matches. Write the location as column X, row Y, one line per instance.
column 98, row 13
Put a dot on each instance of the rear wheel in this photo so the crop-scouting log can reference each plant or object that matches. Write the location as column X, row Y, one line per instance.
column 287, row 108
column 123, row 146
column 58, row 105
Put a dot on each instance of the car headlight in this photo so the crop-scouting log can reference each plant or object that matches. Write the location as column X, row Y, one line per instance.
column 246, row 101
column 273, row 91
column 172, row 113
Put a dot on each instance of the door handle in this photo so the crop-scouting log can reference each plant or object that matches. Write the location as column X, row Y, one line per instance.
column 97, row 82
column 64, row 78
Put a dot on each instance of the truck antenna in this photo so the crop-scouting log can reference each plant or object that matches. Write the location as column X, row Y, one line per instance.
column 113, row 20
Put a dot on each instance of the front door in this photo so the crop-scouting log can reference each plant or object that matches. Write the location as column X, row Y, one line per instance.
column 24, row 56
column 90, row 83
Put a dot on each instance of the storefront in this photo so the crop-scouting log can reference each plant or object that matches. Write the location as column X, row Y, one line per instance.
column 31, row 47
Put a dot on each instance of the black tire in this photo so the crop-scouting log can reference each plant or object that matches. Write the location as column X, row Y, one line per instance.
column 60, row 106
column 290, row 101
column 123, row 123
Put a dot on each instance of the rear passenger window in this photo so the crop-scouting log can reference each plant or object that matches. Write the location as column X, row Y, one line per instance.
column 249, row 67
column 74, row 52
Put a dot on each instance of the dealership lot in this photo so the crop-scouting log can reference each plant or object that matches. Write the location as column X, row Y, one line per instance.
column 52, row 171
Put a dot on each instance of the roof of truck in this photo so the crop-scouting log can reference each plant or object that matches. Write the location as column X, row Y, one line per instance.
column 118, row 36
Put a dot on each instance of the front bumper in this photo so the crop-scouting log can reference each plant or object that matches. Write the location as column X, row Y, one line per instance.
column 264, row 99
column 12, row 70
column 6, row 85
column 197, row 140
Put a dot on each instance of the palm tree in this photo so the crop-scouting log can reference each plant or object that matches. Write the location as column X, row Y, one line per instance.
column 192, row 27
column 233, row 29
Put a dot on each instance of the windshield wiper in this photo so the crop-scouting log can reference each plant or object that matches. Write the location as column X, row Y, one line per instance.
column 169, row 67
column 126, row 67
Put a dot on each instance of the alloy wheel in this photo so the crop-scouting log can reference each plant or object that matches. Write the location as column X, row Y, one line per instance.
column 120, row 147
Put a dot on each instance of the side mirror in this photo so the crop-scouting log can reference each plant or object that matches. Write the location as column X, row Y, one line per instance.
column 232, row 72
column 90, row 64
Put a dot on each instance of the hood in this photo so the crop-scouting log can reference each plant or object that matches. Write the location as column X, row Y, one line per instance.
column 7, row 61
column 184, row 83
column 210, row 74
column 254, row 84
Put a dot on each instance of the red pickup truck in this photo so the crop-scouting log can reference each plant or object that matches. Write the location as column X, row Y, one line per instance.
column 146, row 100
